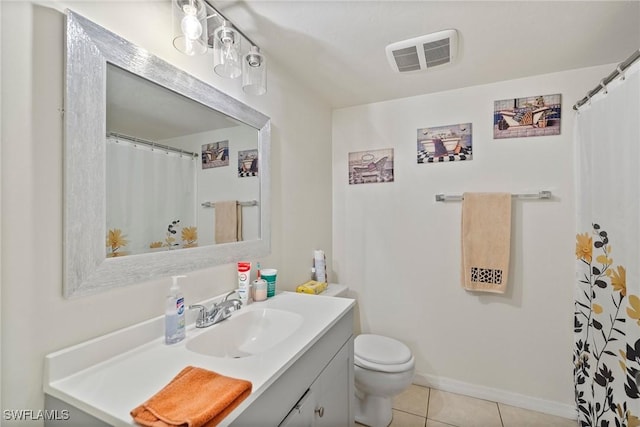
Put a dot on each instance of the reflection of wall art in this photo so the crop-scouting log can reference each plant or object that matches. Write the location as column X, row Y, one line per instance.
column 248, row 163
column 371, row 166
column 531, row 116
column 445, row 143
column 215, row 155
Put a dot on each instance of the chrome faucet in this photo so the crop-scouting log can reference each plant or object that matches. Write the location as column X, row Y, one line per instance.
column 218, row 312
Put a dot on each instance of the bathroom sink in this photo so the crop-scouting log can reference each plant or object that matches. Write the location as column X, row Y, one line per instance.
column 246, row 333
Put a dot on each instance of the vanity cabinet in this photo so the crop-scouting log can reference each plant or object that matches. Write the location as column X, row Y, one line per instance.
column 327, row 402
column 317, row 390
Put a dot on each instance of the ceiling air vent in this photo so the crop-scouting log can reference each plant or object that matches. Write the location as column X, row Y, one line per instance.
column 422, row 53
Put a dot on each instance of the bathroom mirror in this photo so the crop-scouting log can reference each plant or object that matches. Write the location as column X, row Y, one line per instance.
column 96, row 60
column 169, row 160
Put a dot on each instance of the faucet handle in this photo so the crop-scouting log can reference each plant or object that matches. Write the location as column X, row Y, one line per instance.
column 226, row 297
column 202, row 313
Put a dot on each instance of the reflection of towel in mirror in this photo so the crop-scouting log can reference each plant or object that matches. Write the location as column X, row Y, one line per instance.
column 195, row 397
column 486, row 241
column 228, row 222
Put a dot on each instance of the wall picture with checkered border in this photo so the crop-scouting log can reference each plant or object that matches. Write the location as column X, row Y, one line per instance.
column 450, row 143
column 247, row 163
column 531, row 116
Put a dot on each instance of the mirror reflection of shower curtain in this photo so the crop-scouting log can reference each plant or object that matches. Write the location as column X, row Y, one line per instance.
column 606, row 351
column 148, row 189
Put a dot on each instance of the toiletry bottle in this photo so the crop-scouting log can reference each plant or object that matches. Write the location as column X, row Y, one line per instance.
column 319, row 262
column 174, row 327
column 259, row 290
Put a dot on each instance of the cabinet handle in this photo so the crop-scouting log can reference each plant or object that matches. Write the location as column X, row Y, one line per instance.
column 320, row 411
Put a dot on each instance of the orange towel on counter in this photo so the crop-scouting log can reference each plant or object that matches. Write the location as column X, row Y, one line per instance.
column 195, row 397
column 486, row 241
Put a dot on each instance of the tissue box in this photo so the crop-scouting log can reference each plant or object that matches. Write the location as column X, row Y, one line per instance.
column 312, row 287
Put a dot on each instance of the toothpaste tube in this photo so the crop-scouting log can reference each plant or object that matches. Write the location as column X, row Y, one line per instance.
column 244, row 282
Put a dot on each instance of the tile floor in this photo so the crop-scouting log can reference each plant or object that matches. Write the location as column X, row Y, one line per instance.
column 424, row 407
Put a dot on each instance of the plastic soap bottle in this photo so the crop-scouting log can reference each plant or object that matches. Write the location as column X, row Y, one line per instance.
column 174, row 328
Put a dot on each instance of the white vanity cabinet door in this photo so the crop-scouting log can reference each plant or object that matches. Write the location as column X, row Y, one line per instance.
column 332, row 391
column 302, row 414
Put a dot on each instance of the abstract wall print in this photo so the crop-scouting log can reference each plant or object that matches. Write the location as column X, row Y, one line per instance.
column 371, row 166
column 248, row 163
column 531, row 116
column 445, row 143
column 215, row 155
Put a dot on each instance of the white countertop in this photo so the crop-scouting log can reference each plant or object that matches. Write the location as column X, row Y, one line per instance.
column 108, row 386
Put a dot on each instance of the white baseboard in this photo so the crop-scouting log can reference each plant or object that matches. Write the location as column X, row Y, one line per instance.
column 497, row 395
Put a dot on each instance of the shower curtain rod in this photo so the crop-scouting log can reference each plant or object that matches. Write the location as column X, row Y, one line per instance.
column 151, row 144
column 604, row 82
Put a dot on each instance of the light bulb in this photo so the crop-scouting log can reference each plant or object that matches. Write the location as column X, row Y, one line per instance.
column 230, row 53
column 226, row 52
column 191, row 27
column 188, row 46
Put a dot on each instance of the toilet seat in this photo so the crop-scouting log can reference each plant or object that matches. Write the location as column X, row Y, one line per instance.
column 382, row 354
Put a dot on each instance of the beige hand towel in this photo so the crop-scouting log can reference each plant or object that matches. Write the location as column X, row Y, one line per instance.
column 486, row 241
column 239, row 222
column 228, row 222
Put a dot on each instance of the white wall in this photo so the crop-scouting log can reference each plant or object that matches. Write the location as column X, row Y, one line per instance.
column 36, row 319
column 399, row 250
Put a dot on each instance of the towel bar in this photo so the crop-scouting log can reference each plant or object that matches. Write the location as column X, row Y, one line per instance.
column 213, row 204
column 456, row 198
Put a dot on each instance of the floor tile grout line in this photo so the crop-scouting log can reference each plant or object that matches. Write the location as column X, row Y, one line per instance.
column 500, row 414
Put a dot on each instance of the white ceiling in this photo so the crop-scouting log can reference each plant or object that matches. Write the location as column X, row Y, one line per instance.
column 337, row 48
column 142, row 109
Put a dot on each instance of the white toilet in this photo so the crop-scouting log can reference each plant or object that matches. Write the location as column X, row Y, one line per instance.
column 383, row 368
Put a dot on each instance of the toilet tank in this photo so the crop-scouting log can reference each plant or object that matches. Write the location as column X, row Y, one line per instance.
column 336, row 290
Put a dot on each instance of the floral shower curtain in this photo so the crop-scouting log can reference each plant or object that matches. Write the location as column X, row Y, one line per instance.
column 151, row 200
column 607, row 294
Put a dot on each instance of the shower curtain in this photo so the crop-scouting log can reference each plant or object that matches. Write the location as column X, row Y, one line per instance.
column 607, row 293
column 150, row 198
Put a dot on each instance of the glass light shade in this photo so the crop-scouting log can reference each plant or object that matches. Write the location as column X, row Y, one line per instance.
column 189, row 26
column 226, row 51
column 254, row 72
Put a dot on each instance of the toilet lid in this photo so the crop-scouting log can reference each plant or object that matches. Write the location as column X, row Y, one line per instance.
column 380, row 350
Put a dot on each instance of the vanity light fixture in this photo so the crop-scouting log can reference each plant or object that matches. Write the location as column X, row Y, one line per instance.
column 226, row 51
column 190, row 26
column 191, row 18
column 254, row 72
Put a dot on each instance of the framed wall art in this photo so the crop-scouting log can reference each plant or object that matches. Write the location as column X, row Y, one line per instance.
column 247, row 163
column 531, row 116
column 445, row 143
column 215, row 154
column 371, row 166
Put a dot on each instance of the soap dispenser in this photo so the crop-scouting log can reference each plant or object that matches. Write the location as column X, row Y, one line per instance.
column 174, row 327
